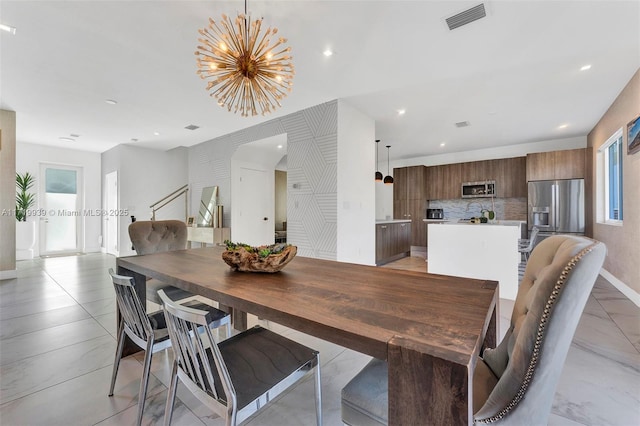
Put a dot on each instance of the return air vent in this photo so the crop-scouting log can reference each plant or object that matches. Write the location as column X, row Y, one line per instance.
column 469, row 15
column 192, row 127
column 463, row 124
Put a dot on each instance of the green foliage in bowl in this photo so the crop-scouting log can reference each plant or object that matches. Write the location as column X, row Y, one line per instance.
column 262, row 251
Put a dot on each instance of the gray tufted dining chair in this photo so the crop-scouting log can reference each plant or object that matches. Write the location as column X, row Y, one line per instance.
column 513, row 384
column 153, row 236
column 156, row 236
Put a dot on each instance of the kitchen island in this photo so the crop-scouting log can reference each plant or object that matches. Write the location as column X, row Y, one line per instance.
column 484, row 251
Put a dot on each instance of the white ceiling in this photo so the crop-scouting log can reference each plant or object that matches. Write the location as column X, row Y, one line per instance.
column 514, row 75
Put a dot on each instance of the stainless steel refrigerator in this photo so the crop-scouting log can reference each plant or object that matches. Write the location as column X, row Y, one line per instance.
column 556, row 206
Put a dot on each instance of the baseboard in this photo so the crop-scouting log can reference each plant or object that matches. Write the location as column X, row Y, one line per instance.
column 9, row 274
column 630, row 293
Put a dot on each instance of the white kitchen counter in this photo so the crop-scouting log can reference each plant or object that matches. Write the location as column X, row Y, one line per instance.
column 494, row 223
column 382, row 222
column 485, row 251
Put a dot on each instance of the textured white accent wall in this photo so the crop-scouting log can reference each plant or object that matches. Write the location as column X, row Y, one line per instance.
column 312, row 156
column 356, row 186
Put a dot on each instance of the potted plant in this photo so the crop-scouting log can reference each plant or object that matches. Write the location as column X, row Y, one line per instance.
column 25, row 231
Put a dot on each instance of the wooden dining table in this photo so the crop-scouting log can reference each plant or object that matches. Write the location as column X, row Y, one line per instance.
column 429, row 328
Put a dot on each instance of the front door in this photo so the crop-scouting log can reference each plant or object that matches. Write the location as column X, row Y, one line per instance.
column 60, row 196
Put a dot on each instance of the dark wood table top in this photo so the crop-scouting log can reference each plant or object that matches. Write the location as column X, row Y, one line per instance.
column 356, row 306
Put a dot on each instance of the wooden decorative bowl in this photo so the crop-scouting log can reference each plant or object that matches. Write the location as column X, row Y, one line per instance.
column 241, row 260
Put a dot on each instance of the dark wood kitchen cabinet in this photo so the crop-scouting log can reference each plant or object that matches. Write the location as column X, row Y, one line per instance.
column 565, row 164
column 393, row 241
column 410, row 199
column 443, row 182
column 510, row 176
column 475, row 171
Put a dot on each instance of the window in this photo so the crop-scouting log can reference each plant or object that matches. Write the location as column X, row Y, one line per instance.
column 609, row 175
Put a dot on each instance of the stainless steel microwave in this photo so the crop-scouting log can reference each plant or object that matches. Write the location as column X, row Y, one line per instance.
column 485, row 188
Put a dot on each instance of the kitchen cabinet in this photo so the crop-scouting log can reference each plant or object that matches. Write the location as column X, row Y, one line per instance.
column 475, row 171
column 409, row 200
column 566, row 164
column 570, row 164
column 443, row 182
column 393, row 241
column 510, row 176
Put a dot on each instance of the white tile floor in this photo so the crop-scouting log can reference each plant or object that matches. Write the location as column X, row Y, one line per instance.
column 57, row 331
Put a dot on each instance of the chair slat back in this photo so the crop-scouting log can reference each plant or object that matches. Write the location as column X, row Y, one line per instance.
column 192, row 340
column 534, row 236
column 130, row 307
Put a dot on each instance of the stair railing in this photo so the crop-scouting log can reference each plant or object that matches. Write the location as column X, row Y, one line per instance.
column 169, row 198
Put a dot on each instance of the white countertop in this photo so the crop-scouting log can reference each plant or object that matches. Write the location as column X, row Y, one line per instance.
column 436, row 220
column 382, row 221
column 493, row 223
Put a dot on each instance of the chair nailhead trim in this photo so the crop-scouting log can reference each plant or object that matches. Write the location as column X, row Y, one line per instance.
column 539, row 336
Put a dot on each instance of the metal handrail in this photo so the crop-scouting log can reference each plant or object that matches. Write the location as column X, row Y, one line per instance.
column 169, row 198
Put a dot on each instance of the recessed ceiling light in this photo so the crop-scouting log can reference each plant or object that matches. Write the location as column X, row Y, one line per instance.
column 156, row 133
column 327, row 52
column 442, row 144
column 280, row 147
column 463, row 124
column 66, row 139
column 401, row 111
column 586, row 67
column 73, row 135
column 134, row 140
column 111, row 102
column 8, row 28
column 563, row 126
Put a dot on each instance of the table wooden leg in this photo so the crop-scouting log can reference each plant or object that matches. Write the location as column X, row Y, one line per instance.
column 238, row 318
column 140, row 284
column 424, row 388
column 490, row 337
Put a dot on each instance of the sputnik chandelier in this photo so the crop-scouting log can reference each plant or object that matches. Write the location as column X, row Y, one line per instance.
column 246, row 72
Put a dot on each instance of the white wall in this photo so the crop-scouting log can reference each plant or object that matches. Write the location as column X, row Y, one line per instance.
column 356, row 186
column 28, row 159
column 144, row 177
column 384, row 193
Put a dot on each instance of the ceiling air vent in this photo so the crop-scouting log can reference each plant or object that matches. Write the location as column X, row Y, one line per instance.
column 463, row 124
column 192, row 127
column 469, row 15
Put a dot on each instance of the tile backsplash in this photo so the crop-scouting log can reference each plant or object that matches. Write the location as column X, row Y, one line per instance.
column 505, row 208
